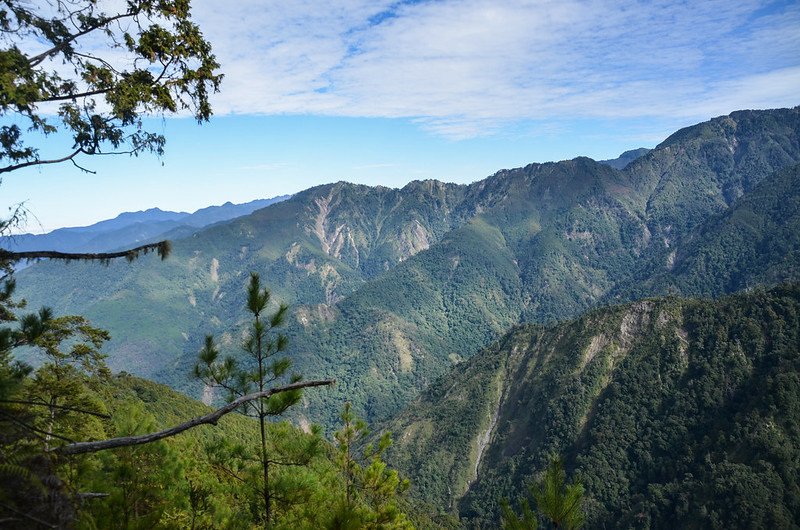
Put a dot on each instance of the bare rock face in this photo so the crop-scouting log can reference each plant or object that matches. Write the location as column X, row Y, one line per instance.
column 412, row 239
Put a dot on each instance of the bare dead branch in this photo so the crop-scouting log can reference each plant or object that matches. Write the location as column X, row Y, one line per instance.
column 98, row 59
column 33, row 429
column 209, row 419
column 85, row 170
column 28, row 516
column 91, row 495
column 21, row 165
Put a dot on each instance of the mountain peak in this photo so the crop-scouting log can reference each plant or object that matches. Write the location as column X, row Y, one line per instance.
column 626, row 158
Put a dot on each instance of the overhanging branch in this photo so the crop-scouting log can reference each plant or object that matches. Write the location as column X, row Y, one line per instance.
column 163, row 249
column 21, row 165
column 62, row 45
column 210, row 419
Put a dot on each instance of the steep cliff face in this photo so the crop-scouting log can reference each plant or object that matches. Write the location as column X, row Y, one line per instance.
column 373, row 229
column 670, row 410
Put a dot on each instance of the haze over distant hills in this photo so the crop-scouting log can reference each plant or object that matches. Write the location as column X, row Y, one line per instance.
column 389, row 288
column 132, row 228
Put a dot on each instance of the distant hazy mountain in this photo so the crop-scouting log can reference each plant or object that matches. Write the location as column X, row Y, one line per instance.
column 152, row 215
column 389, row 288
column 130, row 228
column 626, row 158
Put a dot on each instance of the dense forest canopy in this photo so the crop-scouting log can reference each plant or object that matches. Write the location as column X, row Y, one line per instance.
column 674, row 413
column 528, row 338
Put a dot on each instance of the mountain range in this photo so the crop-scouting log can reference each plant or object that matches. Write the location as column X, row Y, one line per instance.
column 390, row 288
column 132, row 228
column 494, row 324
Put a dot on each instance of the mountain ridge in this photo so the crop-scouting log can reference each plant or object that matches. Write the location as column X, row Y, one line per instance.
column 130, row 228
column 391, row 287
column 652, row 403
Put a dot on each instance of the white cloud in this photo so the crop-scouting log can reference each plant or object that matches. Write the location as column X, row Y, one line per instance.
column 466, row 68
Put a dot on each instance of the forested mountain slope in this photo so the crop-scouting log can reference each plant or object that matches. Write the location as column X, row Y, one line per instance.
column 314, row 248
column 391, row 287
column 703, row 169
column 675, row 413
column 625, row 158
column 203, row 477
column 755, row 241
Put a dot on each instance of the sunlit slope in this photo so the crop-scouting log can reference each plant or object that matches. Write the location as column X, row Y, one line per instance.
column 391, row 287
column 755, row 241
column 314, row 248
column 676, row 413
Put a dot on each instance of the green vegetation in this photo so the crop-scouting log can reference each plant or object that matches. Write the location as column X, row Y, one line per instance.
column 99, row 106
column 674, row 413
column 389, row 289
column 754, row 242
column 264, row 371
column 182, row 482
column 370, row 491
column 196, row 480
column 556, row 501
column 205, row 478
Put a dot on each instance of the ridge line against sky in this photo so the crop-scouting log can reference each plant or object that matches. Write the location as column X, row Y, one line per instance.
column 380, row 92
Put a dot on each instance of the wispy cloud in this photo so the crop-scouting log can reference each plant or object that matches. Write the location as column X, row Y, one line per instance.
column 470, row 68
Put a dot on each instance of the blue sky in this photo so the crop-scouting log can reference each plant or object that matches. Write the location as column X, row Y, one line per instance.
column 387, row 92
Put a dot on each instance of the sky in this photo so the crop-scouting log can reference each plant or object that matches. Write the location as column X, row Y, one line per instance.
column 380, row 92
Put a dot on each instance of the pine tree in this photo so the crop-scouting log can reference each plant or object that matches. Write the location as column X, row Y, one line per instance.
column 155, row 61
column 139, row 483
column 261, row 369
column 371, row 490
column 38, row 413
column 556, row 501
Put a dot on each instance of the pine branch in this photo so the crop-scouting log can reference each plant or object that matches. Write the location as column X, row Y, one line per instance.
column 162, row 248
column 228, row 472
column 210, row 419
column 65, row 97
column 61, row 46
